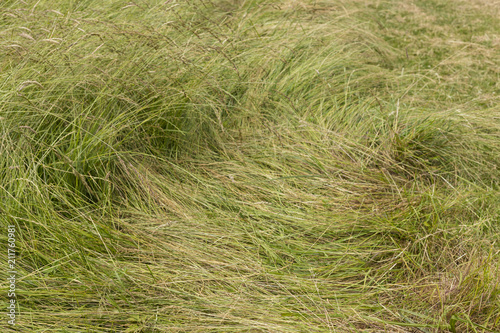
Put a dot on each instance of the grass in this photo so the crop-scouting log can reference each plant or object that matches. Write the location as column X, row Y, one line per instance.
column 252, row 166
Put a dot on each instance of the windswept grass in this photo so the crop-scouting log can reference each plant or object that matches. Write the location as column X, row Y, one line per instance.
column 252, row 166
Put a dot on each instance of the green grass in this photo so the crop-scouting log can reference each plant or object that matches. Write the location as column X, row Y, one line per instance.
column 251, row 166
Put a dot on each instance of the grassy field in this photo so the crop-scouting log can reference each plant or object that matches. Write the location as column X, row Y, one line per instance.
column 250, row 165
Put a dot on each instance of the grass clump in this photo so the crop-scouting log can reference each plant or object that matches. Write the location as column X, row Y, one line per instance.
column 247, row 166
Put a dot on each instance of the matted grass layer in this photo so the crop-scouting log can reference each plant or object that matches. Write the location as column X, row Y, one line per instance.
column 251, row 166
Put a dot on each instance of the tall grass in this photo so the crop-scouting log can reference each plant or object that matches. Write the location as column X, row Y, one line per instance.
column 252, row 166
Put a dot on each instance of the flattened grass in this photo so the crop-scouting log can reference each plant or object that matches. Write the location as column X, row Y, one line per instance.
column 246, row 166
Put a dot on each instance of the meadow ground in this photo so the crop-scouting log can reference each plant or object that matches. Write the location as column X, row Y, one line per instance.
column 250, row 165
